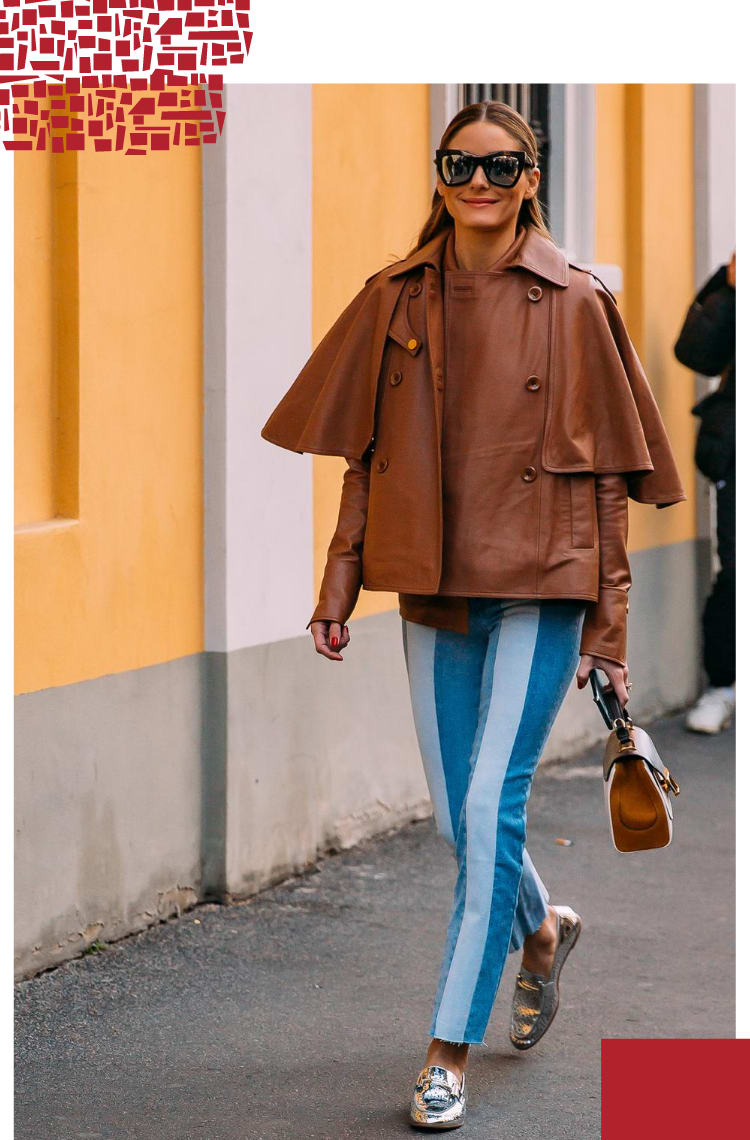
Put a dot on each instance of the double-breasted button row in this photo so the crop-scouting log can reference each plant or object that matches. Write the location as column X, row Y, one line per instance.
column 528, row 474
column 415, row 289
column 395, row 378
column 382, row 464
column 535, row 293
column 533, row 384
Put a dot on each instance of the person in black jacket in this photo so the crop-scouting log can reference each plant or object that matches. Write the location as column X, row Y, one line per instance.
column 707, row 345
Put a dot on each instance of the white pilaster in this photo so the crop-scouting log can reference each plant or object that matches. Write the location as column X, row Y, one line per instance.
column 257, row 336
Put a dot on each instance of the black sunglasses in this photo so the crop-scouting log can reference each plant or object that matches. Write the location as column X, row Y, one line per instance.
column 501, row 167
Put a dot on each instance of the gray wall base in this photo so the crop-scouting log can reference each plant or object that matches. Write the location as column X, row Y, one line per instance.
column 108, row 807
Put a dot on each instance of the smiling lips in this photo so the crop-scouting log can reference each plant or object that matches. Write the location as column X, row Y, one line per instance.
column 480, row 201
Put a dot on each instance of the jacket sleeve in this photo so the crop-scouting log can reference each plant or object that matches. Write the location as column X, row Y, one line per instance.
column 342, row 578
column 605, row 624
column 706, row 342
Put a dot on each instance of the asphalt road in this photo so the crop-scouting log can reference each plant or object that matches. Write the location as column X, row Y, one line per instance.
column 305, row 1012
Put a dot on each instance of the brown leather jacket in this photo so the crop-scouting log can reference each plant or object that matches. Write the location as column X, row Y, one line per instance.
column 372, row 391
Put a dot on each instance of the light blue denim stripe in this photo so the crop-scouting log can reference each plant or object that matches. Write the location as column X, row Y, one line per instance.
column 419, row 647
column 505, row 682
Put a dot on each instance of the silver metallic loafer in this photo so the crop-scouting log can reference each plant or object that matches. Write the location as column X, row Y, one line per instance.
column 536, row 998
column 439, row 1099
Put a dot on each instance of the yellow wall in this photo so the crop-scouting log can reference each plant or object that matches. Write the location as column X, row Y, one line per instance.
column 367, row 211
column 109, row 414
column 645, row 223
column 35, row 395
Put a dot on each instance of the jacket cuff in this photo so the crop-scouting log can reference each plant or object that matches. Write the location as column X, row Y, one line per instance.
column 327, row 616
column 339, row 591
column 604, row 631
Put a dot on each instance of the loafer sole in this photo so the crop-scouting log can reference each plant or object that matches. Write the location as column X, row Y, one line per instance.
column 438, row 1127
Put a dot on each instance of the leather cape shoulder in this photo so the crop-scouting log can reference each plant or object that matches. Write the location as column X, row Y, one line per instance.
column 601, row 413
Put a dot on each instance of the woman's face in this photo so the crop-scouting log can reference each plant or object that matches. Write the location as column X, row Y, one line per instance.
column 479, row 204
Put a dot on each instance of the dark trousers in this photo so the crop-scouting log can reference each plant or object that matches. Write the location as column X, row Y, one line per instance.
column 719, row 610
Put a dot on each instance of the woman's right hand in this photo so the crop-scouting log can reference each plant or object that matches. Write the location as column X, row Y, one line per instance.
column 330, row 638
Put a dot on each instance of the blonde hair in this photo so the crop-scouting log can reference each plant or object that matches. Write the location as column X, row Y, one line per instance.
column 509, row 119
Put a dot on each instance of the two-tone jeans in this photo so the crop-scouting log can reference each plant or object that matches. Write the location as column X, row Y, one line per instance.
column 484, row 703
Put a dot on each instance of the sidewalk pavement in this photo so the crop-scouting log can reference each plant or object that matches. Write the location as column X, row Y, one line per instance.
column 305, row 1012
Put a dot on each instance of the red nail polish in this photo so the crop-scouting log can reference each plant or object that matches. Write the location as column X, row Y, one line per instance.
column 334, row 642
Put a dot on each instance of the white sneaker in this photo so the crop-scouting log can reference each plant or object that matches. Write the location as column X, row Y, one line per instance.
column 713, row 711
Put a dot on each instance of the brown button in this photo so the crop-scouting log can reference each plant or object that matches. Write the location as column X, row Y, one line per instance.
column 415, row 289
column 535, row 293
column 396, row 378
column 533, row 383
column 529, row 474
column 382, row 464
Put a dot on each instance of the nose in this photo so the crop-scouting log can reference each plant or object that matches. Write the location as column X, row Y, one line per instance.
column 479, row 180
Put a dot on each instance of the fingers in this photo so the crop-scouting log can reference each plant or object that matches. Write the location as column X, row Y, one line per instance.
column 338, row 636
column 623, row 694
column 617, row 675
column 585, row 666
column 330, row 638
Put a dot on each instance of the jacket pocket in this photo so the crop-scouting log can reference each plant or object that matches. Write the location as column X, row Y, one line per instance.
column 582, row 509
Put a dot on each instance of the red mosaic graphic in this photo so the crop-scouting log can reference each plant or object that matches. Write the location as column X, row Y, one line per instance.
column 116, row 75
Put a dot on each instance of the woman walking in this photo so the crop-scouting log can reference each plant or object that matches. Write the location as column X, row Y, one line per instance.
column 495, row 419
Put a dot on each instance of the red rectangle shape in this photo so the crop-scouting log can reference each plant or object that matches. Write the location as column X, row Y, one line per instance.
column 673, row 1087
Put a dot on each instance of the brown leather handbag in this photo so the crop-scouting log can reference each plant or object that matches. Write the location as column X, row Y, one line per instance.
column 636, row 781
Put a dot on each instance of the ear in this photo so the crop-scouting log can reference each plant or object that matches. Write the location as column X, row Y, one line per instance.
column 533, row 179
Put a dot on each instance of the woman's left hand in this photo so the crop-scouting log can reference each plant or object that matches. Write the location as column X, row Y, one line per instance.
column 618, row 674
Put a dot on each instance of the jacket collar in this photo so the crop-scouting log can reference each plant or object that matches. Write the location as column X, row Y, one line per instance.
column 535, row 253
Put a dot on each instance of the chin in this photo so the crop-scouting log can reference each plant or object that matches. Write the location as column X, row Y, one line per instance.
column 482, row 221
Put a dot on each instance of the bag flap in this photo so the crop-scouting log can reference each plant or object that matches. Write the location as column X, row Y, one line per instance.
column 643, row 749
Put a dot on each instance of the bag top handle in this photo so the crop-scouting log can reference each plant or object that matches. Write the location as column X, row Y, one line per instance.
column 609, row 706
